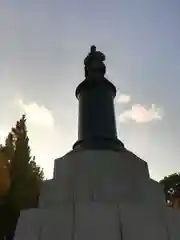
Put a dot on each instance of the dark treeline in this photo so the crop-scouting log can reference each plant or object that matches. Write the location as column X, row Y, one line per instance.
column 20, row 179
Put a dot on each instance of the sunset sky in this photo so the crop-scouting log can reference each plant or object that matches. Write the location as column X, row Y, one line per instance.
column 42, row 47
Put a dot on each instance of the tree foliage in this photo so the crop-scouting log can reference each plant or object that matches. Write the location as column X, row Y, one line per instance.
column 4, row 173
column 21, row 179
column 171, row 185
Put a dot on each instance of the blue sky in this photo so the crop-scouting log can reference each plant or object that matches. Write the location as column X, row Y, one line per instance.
column 43, row 45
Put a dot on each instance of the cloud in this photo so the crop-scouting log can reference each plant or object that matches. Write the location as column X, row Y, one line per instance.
column 37, row 114
column 141, row 114
column 123, row 98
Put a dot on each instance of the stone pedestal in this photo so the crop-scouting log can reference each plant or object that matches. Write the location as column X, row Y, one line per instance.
column 100, row 195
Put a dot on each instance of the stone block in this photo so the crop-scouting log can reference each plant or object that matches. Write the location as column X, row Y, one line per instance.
column 58, row 224
column 63, row 166
column 107, row 175
column 153, row 196
column 173, row 223
column 30, row 224
column 53, row 193
column 96, row 221
column 45, row 224
column 141, row 223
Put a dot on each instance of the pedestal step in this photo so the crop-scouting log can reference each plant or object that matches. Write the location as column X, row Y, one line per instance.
column 98, row 221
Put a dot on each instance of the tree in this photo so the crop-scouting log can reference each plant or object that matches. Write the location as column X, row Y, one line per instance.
column 10, row 146
column 171, row 185
column 4, row 173
column 4, row 187
column 26, row 176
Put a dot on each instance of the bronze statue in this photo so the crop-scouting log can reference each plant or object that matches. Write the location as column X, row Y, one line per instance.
column 94, row 64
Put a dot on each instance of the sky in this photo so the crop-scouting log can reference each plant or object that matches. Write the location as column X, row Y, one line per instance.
column 42, row 49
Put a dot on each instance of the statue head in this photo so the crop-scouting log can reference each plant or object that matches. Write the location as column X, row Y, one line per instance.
column 94, row 64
